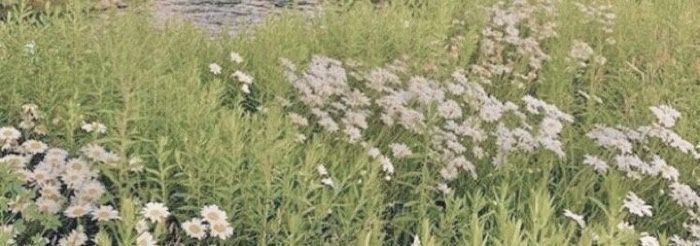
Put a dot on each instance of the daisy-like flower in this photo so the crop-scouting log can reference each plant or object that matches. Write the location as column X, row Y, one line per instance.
column 15, row 162
column 34, row 146
column 136, row 164
column 648, row 240
column 155, row 211
column 236, row 58
column 636, row 205
column 221, row 229
column 91, row 191
column 77, row 210
column 9, row 134
column 575, row 217
column 400, row 150
column 215, row 68
column 76, row 237
column 212, row 214
column 105, row 213
column 145, row 239
column 194, row 228
column 50, row 206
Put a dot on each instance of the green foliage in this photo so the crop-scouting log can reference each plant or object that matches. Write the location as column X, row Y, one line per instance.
column 202, row 144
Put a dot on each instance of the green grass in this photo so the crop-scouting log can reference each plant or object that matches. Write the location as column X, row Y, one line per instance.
column 152, row 88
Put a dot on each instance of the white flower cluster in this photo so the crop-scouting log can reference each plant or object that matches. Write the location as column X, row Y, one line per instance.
column 511, row 41
column 633, row 158
column 70, row 189
column 245, row 79
column 458, row 116
column 583, row 54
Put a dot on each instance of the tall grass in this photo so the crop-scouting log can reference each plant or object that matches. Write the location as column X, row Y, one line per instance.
column 152, row 87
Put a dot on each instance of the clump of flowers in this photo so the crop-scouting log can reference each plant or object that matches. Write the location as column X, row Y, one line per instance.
column 600, row 14
column 632, row 157
column 511, row 41
column 457, row 115
column 65, row 195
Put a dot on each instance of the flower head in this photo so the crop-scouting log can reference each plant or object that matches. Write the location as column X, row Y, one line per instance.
column 636, row 205
column 212, row 214
column 215, row 68
column 155, row 211
column 194, row 228
column 105, row 213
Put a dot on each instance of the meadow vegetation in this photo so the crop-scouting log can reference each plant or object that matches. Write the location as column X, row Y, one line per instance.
column 447, row 122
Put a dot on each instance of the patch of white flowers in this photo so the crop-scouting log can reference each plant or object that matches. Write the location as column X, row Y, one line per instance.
column 56, row 184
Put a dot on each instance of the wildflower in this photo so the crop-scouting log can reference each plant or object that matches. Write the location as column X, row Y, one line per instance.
column 598, row 165
column 50, row 206
column 77, row 237
column 9, row 134
column 636, row 205
column 300, row 138
column 194, row 228
column 215, row 68
column 575, row 217
column 245, row 88
column 145, row 239
column 400, row 150
column 30, row 47
column 236, row 58
column 34, row 147
column 322, row 171
column 105, row 213
column 221, row 229
column 327, row 182
column 77, row 211
column 94, row 127
column 212, row 213
column 648, row 240
column 450, row 110
column 684, row 195
column 581, row 51
column 93, row 152
column 243, row 77
column 666, row 115
column 156, row 212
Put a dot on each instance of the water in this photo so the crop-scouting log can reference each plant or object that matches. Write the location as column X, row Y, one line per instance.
column 232, row 14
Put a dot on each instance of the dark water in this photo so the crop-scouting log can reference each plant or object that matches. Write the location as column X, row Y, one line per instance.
column 232, row 14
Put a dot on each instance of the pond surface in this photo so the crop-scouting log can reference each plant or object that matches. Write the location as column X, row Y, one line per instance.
column 232, row 14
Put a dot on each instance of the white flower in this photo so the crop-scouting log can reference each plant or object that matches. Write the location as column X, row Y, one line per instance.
column 442, row 187
column 243, row 77
column 328, row 182
column 30, row 47
column 9, row 134
column 155, row 211
column 400, row 150
column 684, row 195
column 77, row 211
column 625, row 226
column 598, row 165
column 245, row 88
column 105, row 213
column 322, row 171
column 34, row 146
column 648, row 240
column 145, row 239
column 94, row 127
column 636, row 205
column 212, row 213
column 236, row 58
column 575, row 217
column 221, row 229
column 215, row 68
column 450, row 110
column 76, row 238
column 666, row 115
column 581, row 51
column 194, row 228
